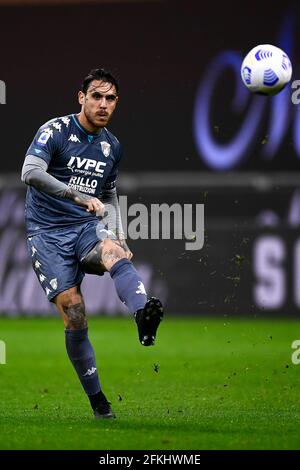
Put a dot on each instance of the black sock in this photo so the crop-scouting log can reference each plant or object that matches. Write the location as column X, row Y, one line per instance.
column 81, row 354
column 96, row 399
column 129, row 286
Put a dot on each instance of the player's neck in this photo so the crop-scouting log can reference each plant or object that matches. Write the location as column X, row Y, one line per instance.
column 87, row 126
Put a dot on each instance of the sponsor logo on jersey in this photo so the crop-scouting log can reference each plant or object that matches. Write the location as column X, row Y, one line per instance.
column 105, row 147
column 86, row 164
column 85, row 185
column 88, row 168
column 73, row 138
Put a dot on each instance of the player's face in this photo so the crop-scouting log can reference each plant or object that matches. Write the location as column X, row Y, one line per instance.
column 98, row 104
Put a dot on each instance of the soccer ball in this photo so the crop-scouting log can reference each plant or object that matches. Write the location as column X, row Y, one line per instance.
column 266, row 70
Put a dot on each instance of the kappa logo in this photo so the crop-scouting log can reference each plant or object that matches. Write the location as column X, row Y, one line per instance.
column 48, row 291
column 33, row 250
column 141, row 289
column 73, row 138
column 90, row 371
column 66, row 120
column 105, row 147
column 42, row 278
column 57, row 125
column 37, row 264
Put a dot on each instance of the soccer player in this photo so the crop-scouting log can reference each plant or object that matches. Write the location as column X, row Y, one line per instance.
column 71, row 168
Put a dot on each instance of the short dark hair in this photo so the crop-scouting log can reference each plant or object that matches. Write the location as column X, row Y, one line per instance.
column 99, row 74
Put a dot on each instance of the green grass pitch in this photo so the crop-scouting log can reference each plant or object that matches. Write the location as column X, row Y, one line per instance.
column 207, row 384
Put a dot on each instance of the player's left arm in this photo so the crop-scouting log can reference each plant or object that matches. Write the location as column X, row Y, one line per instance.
column 109, row 198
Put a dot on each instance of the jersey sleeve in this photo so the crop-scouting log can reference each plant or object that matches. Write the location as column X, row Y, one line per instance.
column 46, row 142
column 110, row 182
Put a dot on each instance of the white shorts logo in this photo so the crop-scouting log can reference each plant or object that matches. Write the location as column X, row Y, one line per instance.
column 53, row 283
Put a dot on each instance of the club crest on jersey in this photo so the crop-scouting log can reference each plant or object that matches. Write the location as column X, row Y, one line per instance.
column 105, row 147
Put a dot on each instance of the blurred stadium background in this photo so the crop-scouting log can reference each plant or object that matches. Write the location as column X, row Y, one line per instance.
column 191, row 134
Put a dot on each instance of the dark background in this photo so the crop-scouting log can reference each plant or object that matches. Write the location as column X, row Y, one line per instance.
column 165, row 55
column 161, row 52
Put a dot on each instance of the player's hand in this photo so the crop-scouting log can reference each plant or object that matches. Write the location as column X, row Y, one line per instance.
column 91, row 204
column 94, row 206
column 128, row 253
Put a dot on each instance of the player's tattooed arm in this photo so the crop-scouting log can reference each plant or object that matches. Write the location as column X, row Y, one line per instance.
column 122, row 243
column 34, row 173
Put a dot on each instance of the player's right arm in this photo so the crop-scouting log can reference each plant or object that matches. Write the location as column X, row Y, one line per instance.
column 34, row 173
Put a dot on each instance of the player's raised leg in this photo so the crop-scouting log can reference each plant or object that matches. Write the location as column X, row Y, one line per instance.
column 71, row 306
column 110, row 256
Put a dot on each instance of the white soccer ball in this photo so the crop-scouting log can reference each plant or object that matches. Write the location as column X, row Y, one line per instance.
column 266, row 70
